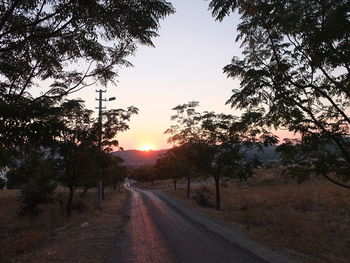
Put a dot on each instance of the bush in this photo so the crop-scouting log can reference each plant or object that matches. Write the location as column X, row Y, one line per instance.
column 36, row 178
column 37, row 191
column 203, row 197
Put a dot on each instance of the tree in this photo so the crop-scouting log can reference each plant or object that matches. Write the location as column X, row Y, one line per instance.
column 166, row 167
column 226, row 140
column 184, row 159
column 51, row 40
column 171, row 165
column 113, row 171
column 302, row 158
column 186, row 134
column 295, row 66
column 215, row 144
column 78, row 142
column 28, row 127
column 144, row 174
column 62, row 47
column 75, row 145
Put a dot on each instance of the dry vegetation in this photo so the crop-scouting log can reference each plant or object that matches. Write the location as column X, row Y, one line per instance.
column 86, row 236
column 310, row 221
column 159, row 184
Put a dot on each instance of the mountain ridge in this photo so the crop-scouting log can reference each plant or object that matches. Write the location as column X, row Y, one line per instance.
column 136, row 158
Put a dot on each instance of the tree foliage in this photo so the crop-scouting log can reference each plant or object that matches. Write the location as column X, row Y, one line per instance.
column 49, row 49
column 50, row 40
column 36, row 176
column 294, row 66
column 215, row 144
column 78, row 145
column 307, row 157
column 73, row 152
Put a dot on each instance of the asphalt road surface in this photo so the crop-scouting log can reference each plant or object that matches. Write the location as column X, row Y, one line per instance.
column 160, row 232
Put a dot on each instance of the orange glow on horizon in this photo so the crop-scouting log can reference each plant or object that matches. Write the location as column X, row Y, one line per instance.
column 146, row 147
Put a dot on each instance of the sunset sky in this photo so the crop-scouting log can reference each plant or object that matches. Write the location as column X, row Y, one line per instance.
column 186, row 64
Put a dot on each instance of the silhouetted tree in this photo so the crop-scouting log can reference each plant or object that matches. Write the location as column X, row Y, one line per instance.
column 51, row 40
column 216, row 143
column 186, row 134
column 302, row 158
column 75, row 143
column 113, row 172
column 226, row 140
column 166, row 167
column 79, row 142
column 31, row 127
column 144, row 174
column 49, row 49
column 295, row 66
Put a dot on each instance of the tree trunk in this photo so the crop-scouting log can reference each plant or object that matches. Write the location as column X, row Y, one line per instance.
column 174, row 181
column 103, row 191
column 70, row 199
column 217, row 192
column 188, row 187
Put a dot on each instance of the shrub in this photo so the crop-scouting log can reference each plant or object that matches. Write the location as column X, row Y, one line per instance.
column 203, row 197
column 36, row 191
column 36, row 178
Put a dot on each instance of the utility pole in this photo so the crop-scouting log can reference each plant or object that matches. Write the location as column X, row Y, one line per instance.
column 99, row 156
column 100, row 99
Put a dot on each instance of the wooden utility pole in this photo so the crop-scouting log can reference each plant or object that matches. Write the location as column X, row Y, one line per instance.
column 99, row 156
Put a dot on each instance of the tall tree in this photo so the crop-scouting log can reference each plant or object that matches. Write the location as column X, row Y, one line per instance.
column 75, row 145
column 49, row 49
column 295, row 65
column 226, row 139
column 79, row 142
column 186, row 134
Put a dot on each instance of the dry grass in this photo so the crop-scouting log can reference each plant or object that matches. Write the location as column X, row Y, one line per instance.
column 54, row 237
column 312, row 218
column 160, row 184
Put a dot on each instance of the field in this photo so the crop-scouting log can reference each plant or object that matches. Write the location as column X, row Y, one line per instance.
column 86, row 236
column 308, row 221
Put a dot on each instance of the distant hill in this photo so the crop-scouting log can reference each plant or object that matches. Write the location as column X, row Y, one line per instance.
column 266, row 156
column 142, row 158
column 139, row 158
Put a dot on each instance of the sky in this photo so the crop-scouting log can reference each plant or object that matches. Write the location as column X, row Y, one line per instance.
column 185, row 65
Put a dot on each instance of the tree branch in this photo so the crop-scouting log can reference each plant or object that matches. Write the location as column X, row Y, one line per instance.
column 335, row 182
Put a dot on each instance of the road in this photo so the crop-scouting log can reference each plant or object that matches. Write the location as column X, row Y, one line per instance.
column 160, row 232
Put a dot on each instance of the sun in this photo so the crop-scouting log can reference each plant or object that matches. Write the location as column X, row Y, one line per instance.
column 146, row 147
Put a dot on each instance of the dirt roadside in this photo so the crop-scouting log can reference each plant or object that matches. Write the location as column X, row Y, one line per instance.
column 309, row 222
column 87, row 236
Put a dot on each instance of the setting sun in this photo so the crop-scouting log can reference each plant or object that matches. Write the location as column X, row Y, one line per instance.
column 146, row 147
